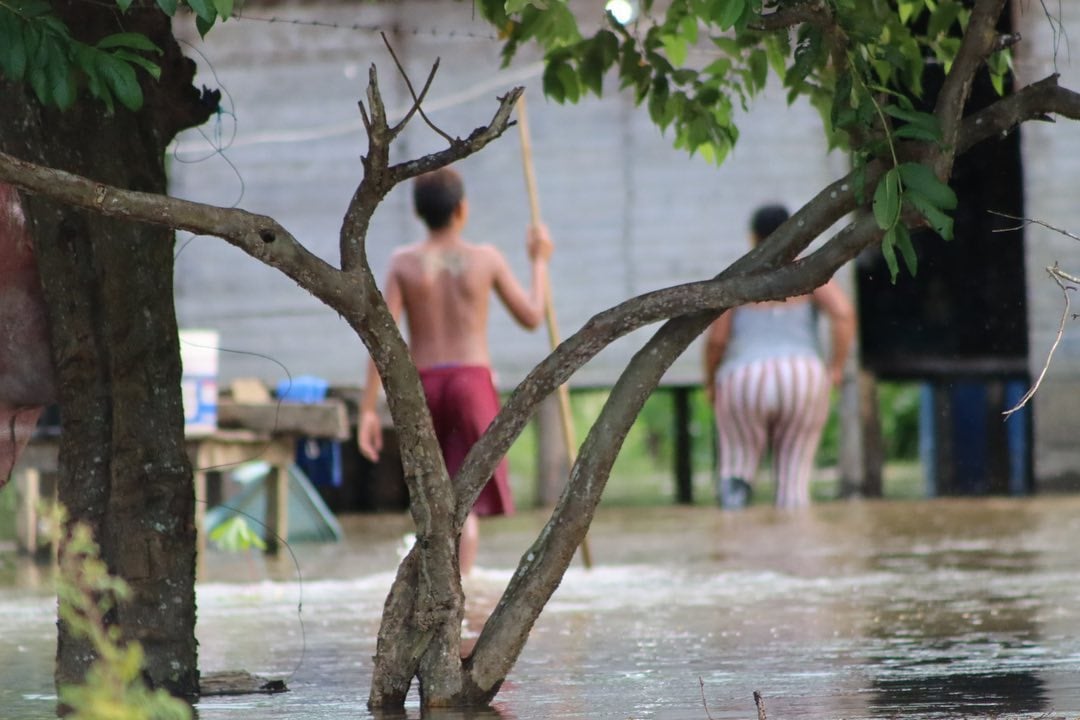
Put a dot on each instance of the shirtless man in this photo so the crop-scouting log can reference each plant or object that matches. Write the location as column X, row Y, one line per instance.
column 443, row 284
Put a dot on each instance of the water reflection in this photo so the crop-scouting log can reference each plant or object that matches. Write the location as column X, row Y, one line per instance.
column 965, row 695
column 924, row 610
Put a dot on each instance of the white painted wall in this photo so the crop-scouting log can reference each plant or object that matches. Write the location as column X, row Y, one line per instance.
column 1051, row 160
column 627, row 212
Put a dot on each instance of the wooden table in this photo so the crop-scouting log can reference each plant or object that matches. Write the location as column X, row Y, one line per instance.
column 210, row 455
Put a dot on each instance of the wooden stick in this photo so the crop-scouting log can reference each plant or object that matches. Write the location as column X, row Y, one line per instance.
column 565, row 416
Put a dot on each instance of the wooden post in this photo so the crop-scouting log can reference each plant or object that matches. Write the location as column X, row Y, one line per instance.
column 28, row 492
column 549, row 307
column 873, row 446
column 199, row 480
column 552, row 466
column 862, row 452
column 684, row 474
column 277, row 508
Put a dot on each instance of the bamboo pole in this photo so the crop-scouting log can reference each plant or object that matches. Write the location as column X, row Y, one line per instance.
column 565, row 416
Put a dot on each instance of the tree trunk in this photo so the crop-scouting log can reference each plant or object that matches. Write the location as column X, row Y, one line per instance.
column 108, row 290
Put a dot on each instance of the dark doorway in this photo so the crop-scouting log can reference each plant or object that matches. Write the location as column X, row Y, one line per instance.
column 960, row 325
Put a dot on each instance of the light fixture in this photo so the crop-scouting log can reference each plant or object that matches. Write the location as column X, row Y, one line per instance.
column 624, row 11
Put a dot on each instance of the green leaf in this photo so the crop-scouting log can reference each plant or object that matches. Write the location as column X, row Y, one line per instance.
column 86, row 59
column 39, row 82
column 61, row 83
column 203, row 9
column 841, row 112
column 32, row 9
column 730, row 13
column 148, row 65
column 235, row 535
column 909, row 9
column 759, row 68
column 131, row 41
column 607, row 46
column 13, row 58
column 203, row 25
column 571, row 84
column 998, row 83
column 513, row 6
column 888, row 249
column 718, row 68
column 727, row 45
column 167, row 6
column 887, row 200
column 676, row 47
column 592, row 75
column 124, row 5
column 56, row 27
column 120, row 78
column 224, row 9
column 688, row 28
column 938, row 218
column 922, row 179
column 552, row 83
column 942, row 18
column 926, row 122
column 659, row 109
column 914, row 132
column 858, row 177
column 907, row 250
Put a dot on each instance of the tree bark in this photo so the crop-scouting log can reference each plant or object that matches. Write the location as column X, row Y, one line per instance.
column 108, row 290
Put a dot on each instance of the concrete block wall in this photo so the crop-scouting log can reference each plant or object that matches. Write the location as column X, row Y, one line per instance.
column 627, row 212
column 1050, row 152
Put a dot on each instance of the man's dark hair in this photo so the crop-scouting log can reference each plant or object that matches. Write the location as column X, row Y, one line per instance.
column 766, row 219
column 436, row 195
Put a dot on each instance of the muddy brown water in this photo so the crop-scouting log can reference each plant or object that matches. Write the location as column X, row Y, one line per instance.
column 928, row 609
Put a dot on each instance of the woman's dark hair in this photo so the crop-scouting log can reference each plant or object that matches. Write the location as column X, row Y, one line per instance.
column 766, row 219
column 436, row 195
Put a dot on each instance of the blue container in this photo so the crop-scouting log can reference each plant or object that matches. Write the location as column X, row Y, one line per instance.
column 320, row 460
column 302, row 389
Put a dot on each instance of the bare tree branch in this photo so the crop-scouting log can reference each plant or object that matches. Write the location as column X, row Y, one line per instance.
column 1036, row 101
column 380, row 177
column 416, row 100
column 980, row 38
column 1024, row 222
column 261, row 237
column 1060, row 278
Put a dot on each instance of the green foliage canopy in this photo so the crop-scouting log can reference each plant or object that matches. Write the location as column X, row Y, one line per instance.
column 691, row 63
column 37, row 47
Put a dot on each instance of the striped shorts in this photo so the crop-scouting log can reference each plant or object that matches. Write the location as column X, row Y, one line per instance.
column 780, row 403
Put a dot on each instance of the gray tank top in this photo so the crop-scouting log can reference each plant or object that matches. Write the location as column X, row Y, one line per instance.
column 762, row 332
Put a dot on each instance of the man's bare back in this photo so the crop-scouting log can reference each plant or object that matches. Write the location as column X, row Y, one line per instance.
column 445, row 287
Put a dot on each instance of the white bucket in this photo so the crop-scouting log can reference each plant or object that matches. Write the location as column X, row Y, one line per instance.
column 198, row 383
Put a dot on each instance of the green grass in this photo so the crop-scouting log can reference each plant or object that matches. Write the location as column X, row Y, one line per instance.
column 7, row 512
column 643, row 472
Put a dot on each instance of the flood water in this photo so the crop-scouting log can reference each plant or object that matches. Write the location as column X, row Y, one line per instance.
column 929, row 609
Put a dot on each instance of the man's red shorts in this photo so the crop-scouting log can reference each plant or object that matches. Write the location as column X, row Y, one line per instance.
column 463, row 402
